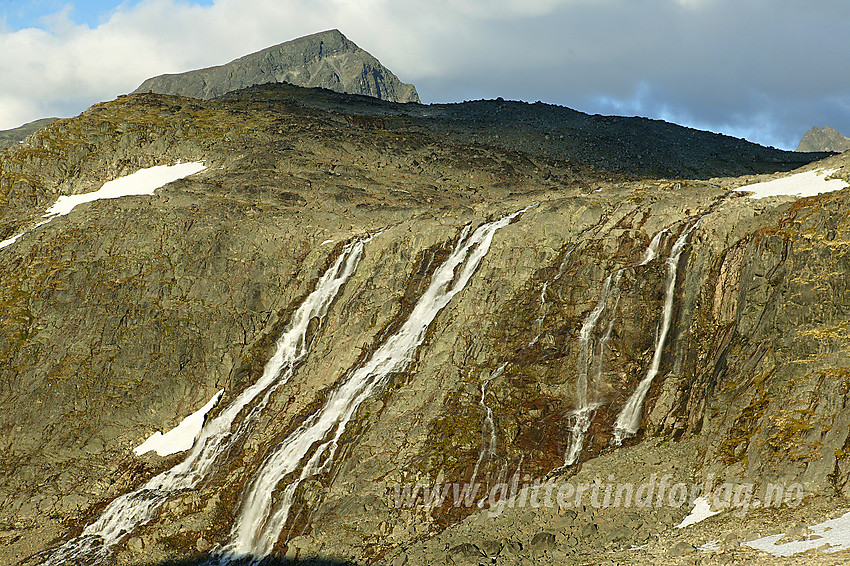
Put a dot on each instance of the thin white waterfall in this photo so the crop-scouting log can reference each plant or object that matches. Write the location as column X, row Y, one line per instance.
column 582, row 415
column 652, row 250
column 488, row 431
column 311, row 448
column 138, row 507
column 628, row 421
column 542, row 316
column 609, row 300
column 609, row 331
column 585, row 336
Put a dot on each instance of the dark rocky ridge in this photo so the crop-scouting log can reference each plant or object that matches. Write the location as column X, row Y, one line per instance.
column 824, row 139
column 636, row 147
column 327, row 59
column 126, row 315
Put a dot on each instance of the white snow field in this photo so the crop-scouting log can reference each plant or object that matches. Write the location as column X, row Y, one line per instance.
column 830, row 536
column 701, row 511
column 10, row 241
column 806, row 184
column 142, row 182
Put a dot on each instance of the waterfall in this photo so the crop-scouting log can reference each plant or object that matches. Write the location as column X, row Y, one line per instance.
column 488, row 432
column 542, row 317
column 311, row 448
column 628, row 420
column 582, row 416
column 138, row 507
column 650, row 254
column 652, row 250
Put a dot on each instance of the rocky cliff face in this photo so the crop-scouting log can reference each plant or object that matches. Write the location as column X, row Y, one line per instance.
column 824, row 139
column 124, row 316
column 327, row 60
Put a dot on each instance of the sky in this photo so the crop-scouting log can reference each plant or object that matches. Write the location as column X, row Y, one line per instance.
column 764, row 70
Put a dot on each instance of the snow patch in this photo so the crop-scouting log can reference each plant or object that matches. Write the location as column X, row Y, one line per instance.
column 326, row 242
column 806, row 184
column 11, row 240
column 142, row 182
column 701, row 511
column 830, row 536
column 180, row 438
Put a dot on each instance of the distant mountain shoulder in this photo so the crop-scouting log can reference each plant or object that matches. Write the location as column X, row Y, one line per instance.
column 327, row 59
column 824, row 139
column 14, row 136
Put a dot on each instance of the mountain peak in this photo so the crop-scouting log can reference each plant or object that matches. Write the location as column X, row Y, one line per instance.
column 824, row 139
column 325, row 59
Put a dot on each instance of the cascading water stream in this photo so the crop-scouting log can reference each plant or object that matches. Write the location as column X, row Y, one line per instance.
column 488, row 432
column 652, row 250
column 541, row 318
column 581, row 417
column 311, row 448
column 628, row 421
column 650, row 254
column 583, row 414
column 138, row 507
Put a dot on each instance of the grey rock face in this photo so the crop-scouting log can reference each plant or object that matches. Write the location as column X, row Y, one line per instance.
column 465, row 551
column 327, row 60
column 824, row 139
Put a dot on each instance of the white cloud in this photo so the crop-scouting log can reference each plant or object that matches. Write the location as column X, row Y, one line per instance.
column 505, row 9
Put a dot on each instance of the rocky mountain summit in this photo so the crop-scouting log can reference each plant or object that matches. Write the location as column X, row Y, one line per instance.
column 578, row 314
column 327, row 59
column 824, row 139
